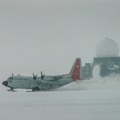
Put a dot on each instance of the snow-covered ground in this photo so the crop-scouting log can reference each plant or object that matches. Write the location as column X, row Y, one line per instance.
column 97, row 99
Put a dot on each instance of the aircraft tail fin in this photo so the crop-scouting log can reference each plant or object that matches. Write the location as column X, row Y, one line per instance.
column 75, row 71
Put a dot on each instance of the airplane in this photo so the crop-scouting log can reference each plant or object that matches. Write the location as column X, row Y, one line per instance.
column 43, row 83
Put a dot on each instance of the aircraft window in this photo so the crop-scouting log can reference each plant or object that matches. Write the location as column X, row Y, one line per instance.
column 11, row 78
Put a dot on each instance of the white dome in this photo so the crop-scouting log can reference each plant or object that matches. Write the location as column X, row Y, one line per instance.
column 107, row 48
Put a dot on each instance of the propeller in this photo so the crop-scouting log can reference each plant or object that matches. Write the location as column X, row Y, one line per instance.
column 34, row 76
column 42, row 76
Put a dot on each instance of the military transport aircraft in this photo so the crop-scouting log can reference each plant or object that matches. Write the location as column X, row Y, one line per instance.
column 43, row 83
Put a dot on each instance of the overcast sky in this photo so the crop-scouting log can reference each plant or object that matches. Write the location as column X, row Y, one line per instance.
column 48, row 35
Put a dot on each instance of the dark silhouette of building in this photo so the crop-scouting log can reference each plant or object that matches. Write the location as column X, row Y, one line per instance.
column 108, row 65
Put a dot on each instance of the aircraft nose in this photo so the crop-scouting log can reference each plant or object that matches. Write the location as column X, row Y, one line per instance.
column 5, row 83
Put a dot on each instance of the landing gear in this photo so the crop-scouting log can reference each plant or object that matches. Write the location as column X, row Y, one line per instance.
column 35, row 89
column 12, row 89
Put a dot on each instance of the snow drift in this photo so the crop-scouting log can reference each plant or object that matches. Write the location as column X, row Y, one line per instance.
column 100, row 83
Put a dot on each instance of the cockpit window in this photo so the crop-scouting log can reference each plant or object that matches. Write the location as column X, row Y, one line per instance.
column 10, row 78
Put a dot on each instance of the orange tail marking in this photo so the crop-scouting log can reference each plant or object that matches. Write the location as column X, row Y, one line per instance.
column 75, row 71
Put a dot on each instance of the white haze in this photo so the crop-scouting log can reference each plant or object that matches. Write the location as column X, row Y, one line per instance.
column 97, row 82
column 106, row 83
column 96, row 72
column 95, row 99
column 42, row 35
column 48, row 35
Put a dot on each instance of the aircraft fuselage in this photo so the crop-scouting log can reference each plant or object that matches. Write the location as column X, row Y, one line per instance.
column 48, row 83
